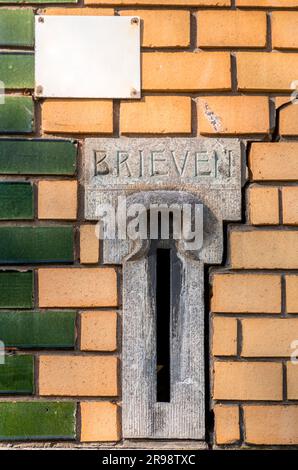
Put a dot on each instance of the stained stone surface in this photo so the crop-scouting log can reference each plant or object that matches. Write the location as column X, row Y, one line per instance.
column 206, row 172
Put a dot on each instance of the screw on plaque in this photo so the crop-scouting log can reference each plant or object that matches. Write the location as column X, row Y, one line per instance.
column 133, row 92
column 134, row 20
column 41, row 19
column 38, row 90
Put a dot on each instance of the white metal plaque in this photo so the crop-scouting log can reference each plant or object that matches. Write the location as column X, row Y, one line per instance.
column 87, row 57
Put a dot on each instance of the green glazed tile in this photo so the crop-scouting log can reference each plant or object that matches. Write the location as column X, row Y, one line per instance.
column 16, row 289
column 16, row 201
column 37, row 157
column 37, row 420
column 16, row 27
column 17, row 70
column 17, row 374
column 19, row 245
column 51, row 329
column 17, row 115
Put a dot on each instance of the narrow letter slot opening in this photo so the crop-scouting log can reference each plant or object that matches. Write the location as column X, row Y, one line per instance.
column 163, row 319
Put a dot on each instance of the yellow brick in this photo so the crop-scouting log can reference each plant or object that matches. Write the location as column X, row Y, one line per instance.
column 227, row 429
column 224, row 336
column 78, row 11
column 281, row 100
column 269, row 71
column 292, row 294
column 77, row 287
column 89, row 244
column 264, row 249
column 163, row 28
column 263, row 205
column 271, row 425
column 57, row 200
column 85, row 116
column 156, row 114
column 98, row 331
column 290, row 205
column 284, row 29
column 70, row 375
column 246, row 293
column 231, row 28
column 224, row 115
column 186, row 71
column 247, row 381
column 99, row 421
column 292, row 372
column 266, row 337
column 274, row 161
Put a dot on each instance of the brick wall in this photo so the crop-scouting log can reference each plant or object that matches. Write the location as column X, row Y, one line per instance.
column 210, row 69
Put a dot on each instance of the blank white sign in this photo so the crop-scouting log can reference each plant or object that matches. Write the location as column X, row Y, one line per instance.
column 87, row 57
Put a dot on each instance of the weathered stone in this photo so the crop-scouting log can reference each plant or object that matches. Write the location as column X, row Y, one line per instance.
column 202, row 166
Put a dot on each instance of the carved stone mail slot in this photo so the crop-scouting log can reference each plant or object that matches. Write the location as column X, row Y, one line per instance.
column 163, row 385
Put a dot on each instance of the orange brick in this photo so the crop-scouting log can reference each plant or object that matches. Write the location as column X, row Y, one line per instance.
column 288, row 124
column 246, row 293
column 156, row 114
column 78, row 11
column 89, row 244
column 98, row 331
column 57, row 199
column 275, row 425
column 84, row 116
column 77, row 287
column 99, row 421
column 266, row 249
column 292, row 373
column 292, row 294
column 247, row 381
column 225, row 115
column 274, row 161
column 267, row 3
column 70, row 375
column 263, row 205
column 224, row 336
column 186, row 71
column 195, row 3
column 266, row 337
column 227, row 429
column 232, row 28
column 163, row 28
column 271, row 71
column 284, row 29
column 290, row 205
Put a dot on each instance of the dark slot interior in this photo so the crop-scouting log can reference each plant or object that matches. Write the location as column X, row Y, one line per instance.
column 163, row 318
